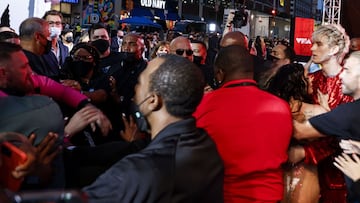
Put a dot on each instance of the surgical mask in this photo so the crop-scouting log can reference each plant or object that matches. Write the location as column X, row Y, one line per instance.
column 48, row 47
column 101, row 45
column 81, row 68
column 69, row 39
column 140, row 119
column 54, row 32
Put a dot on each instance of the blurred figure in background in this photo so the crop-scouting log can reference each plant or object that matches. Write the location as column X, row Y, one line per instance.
column 67, row 38
column 162, row 48
column 116, row 41
column 355, row 44
column 10, row 37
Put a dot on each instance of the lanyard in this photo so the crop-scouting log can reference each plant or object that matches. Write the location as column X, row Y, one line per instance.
column 241, row 84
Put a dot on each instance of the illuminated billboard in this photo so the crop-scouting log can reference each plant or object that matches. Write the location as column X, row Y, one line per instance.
column 304, row 27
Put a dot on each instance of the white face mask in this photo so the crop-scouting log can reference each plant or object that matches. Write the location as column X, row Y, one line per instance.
column 54, row 32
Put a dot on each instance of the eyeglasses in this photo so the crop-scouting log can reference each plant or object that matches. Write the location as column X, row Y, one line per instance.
column 180, row 52
column 82, row 58
column 54, row 22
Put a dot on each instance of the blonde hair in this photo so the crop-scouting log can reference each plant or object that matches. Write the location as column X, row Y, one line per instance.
column 336, row 36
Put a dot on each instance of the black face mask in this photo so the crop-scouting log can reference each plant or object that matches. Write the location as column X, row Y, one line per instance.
column 101, row 45
column 129, row 57
column 197, row 60
column 140, row 119
column 81, row 68
column 48, row 47
column 69, row 39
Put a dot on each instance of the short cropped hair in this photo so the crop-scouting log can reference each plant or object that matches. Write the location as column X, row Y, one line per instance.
column 30, row 26
column 180, row 83
column 53, row 13
column 6, row 50
column 95, row 27
column 195, row 41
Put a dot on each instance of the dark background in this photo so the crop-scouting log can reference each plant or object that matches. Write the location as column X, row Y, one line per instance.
column 350, row 17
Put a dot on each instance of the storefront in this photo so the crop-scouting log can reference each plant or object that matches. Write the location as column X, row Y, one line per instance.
column 160, row 11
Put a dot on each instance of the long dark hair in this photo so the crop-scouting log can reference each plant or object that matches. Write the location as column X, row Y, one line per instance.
column 289, row 82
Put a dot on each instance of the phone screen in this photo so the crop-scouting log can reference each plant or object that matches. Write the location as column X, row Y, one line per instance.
column 11, row 157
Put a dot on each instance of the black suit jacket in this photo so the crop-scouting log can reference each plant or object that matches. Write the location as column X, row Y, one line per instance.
column 181, row 164
column 114, row 46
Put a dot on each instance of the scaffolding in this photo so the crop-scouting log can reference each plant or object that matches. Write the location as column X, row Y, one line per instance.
column 331, row 12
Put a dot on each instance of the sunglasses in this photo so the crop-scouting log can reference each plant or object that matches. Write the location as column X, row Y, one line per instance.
column 180, row 52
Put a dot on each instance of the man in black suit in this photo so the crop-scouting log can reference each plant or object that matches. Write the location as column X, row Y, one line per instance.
column 116, row 41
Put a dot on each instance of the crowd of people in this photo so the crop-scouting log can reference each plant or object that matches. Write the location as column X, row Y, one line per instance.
column 134, row 118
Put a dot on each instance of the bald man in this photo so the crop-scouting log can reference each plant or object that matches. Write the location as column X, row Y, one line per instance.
column 238, row 38
column 182, row 46
column 234, row 38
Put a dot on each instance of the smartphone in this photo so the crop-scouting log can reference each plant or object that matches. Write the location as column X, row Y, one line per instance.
column 11, row 157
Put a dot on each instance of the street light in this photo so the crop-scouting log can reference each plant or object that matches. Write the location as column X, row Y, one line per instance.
column 273, row 12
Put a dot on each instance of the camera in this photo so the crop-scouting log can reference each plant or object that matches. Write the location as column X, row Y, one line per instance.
column 240, row 18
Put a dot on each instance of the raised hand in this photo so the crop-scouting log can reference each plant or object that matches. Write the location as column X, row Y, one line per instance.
column 22, row 143
column 89, row 115
column 350, row 146
column 131, row 130
column 46, row 151
column 350, row 166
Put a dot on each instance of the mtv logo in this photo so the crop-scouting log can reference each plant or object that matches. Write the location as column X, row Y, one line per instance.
column 301, row 40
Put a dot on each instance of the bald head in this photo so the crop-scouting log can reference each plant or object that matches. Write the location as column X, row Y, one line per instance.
column 355, row 44
column 181, row 46
column 234, row 38
column 234, row 62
